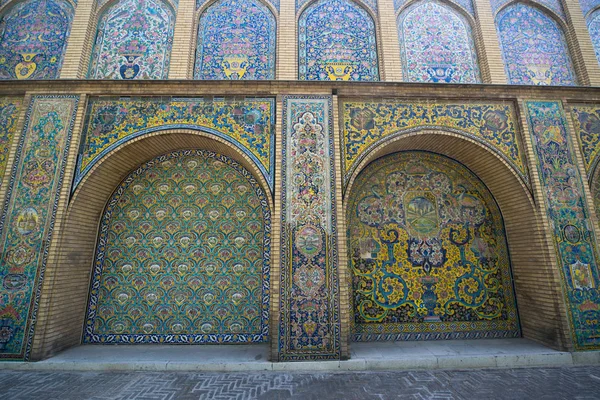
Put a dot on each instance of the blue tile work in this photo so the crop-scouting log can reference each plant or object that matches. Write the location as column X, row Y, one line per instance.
column 33, row 39
column 183, row 255
column 274, row 3
column 534, row 48
column 336, row 41
column 247, row 123
column 309, row 323
column 28, row 215
column 372, row 4
column 554, row 5
column 236, row 40
column 574, row 239
column 588, row 5
column 593, row 23
column 467, row 5
column 436, row 45
column 133, row 41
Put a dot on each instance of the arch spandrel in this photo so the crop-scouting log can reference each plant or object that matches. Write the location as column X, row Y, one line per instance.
column 33, row 38
column 428, row 252
column 248, row 124
column 368, row 125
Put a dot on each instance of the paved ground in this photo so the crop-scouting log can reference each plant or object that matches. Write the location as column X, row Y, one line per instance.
column 530, row 383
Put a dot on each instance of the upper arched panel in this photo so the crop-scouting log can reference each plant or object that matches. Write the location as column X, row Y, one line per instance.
column 436, row 45
column 133, row 41
column 466, row 5
column 336, row 41
column 534, row 47
column 593, row 23
column 33, row 39
column 236, row 40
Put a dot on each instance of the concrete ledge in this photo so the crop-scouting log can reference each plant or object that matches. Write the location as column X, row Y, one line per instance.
column 476, row 354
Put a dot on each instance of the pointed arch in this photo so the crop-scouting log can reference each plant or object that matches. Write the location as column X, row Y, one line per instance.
column 436, row 44
column 337, row 41
column 33, row 38
column 133, row 40
column 238, row 44
column 534, row 47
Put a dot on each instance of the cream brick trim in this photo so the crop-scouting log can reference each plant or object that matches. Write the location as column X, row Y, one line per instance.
column 491, row 55
column 82, row 27
column 389, row 44
column 183, row 52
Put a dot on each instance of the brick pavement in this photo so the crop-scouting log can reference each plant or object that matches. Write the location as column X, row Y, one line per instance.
column 531, row 383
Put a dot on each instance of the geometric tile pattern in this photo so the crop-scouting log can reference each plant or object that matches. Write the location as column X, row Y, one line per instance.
column 574, row 239
column 248, row 124
column 28, row 216
column 525, row 383
column 133, row 41
column 534, row 47
column 10, row 107
column 236, row 45
column 183, row 255
column 367, row 124
column 33, row 39
column 436, row 44
column 428, row 252
column 309, row 322
column 336, row 41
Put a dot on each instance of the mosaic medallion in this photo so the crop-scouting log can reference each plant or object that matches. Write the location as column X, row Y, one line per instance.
column 428, row 253
column 183, row 255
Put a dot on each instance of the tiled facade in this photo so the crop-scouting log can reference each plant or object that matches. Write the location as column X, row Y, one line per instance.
column 302, row 173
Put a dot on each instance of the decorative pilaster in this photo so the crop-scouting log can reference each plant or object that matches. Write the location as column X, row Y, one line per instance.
column 569, row 219
column 77, row 53
column 490, row 43
column 309, row 322
column 28, row 217
column 287, row 42
column 184, row 41
column 389, row 43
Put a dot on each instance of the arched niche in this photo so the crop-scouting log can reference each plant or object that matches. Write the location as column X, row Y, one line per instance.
column 534, row 47
column 33, row 38
column 536, row 283
column 67, row 282
column 436, row 44
column 133, row 40
column 337, row 41
column 237, row 45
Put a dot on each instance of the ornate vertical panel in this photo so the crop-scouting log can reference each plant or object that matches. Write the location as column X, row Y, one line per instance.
column 336, row 41
column 309, row 326
column 33, row 39
column 534, row 48
column 567, row 210
column 9, row 114
column 436, row 45
column 133, row 41
column 428, row 253
column 183, row 255
column 236, row 40
column 28, row 217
